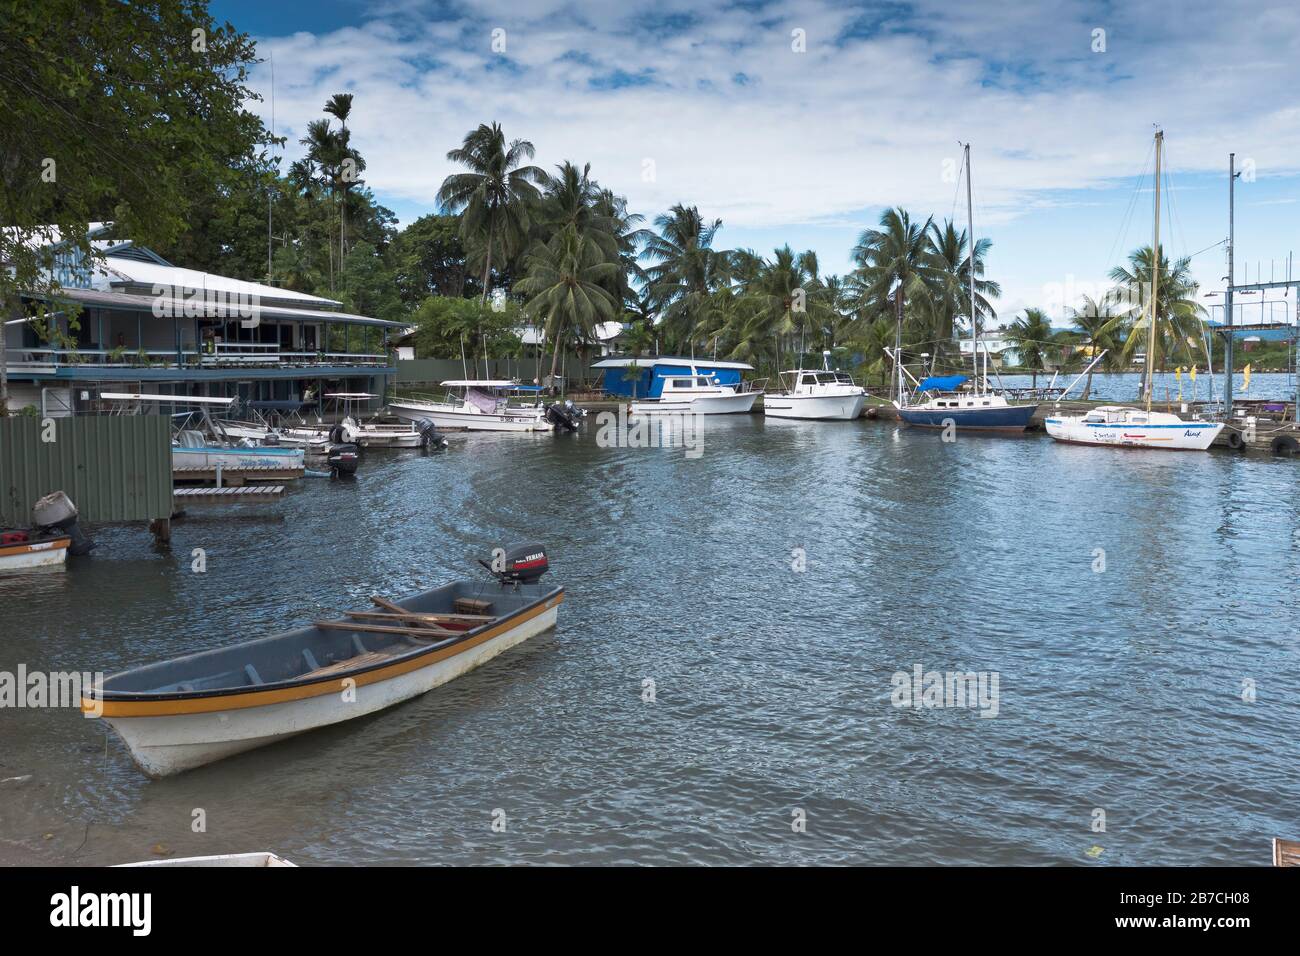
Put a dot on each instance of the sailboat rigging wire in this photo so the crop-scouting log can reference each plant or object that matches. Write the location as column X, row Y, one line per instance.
column 1125, row 222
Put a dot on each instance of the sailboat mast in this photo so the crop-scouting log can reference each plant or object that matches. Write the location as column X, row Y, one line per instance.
column 970, row 249
column 1155, row 278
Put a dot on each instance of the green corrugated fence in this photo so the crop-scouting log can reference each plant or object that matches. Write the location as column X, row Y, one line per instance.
column 114, row 468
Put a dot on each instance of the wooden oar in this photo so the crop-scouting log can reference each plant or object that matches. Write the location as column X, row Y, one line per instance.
column 398, row 609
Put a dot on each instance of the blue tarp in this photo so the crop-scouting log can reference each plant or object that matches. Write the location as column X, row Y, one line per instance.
column 941, row 383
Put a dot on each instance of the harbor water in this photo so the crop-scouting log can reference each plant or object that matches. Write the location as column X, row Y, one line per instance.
column 723, row 684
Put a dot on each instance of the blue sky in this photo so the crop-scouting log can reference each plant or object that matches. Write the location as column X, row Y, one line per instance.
column 800, row 122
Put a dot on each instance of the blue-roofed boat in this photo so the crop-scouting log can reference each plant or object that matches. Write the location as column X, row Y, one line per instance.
column 672, row 384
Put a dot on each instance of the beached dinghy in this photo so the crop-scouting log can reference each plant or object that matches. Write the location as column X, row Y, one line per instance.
column 255, row 860
column 193, row 710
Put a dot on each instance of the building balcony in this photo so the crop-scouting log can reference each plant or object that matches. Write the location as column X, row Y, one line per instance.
column 232, row 360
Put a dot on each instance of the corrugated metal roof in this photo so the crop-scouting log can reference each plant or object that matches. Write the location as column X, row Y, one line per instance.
column 145, row 303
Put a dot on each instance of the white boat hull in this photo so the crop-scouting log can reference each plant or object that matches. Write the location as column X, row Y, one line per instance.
column 220, row 859
column 736, row 403
column 840, row 408
column 1185, row 436
column 170, row 744
column 237, row 458
column 449, row 416
column 33, row 554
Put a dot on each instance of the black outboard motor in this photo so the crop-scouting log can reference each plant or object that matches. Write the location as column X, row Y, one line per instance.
column 56, row 513
column 342, row 459
column 430, row 437
column 519, row 564
column 336, row 434
column 563, row 415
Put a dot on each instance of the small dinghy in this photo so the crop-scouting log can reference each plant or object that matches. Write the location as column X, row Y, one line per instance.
column 255, row 860
column 196, row 709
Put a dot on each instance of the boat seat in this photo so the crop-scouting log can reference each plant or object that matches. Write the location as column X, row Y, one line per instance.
column 347, row 664
column 464, row 605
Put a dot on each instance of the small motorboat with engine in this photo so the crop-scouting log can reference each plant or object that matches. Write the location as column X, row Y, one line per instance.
column 202, row 707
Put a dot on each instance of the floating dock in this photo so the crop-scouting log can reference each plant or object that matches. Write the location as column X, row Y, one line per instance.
column 227, row 495
column 236, row 477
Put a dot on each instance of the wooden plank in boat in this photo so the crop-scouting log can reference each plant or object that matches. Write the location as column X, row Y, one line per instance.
column 430, row 621
column 1286, row 852
column 361, row 660
column 419, row 631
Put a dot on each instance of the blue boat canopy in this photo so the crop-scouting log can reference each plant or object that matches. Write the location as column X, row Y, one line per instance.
column 942, row 383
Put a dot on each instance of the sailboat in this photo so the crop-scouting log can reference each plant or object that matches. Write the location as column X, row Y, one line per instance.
column 977, row 410
column 1123, row 427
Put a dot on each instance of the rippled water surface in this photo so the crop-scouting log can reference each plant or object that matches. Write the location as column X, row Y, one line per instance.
column 1119, row 690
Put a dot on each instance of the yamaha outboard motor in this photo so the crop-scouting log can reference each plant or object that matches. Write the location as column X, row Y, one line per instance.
column 563, row 415
column 430, row 437
column 342, row 459
column 56, row 512
column 519, row 564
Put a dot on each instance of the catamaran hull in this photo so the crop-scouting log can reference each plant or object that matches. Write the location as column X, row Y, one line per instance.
column 237, row 458
column 1188, row 436
column 526, row 421
column 1005, row 418
column 736, row 404
column 825, row 408
column 172, row 743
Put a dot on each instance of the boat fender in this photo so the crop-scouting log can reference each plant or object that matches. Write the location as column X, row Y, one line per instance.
column 1235, row 441
column 1285, row 445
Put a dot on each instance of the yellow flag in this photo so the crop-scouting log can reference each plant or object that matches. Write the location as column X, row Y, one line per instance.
column 1193, row 374
column 1245, row 373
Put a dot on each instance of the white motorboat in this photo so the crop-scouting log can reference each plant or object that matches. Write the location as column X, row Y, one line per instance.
column 191, row 449
column 476, row 405
column 1118, row 426
column 312, row 441
column 193, row 710
column 1124, row 427
column 816, row 395
column 698, row 394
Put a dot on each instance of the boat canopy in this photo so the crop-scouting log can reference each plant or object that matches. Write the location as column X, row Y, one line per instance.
column 942, row 383
column 478, row 383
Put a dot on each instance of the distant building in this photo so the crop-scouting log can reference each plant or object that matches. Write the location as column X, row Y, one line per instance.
column 146, row 325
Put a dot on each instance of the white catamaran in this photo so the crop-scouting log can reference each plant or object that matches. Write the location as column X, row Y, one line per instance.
column 1122, row 427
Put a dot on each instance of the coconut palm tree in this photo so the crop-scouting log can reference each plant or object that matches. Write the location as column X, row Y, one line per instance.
column 686, row 271
column 1095, row 323
column 953, row 260
column 340, row 106
column 1031, row 336
column 895, row 263
column 567, row 287
column 1179, row 317
column 495, row 196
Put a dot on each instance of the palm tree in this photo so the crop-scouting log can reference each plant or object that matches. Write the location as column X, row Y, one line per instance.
column 566, row 285
column 1031, row 336
column 1095, row 323
column 1179, row 317
column 493, row 199
column 784, row 296
column 895, row 262
column 687, row 271
column 953, row 260
column 340, row 106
